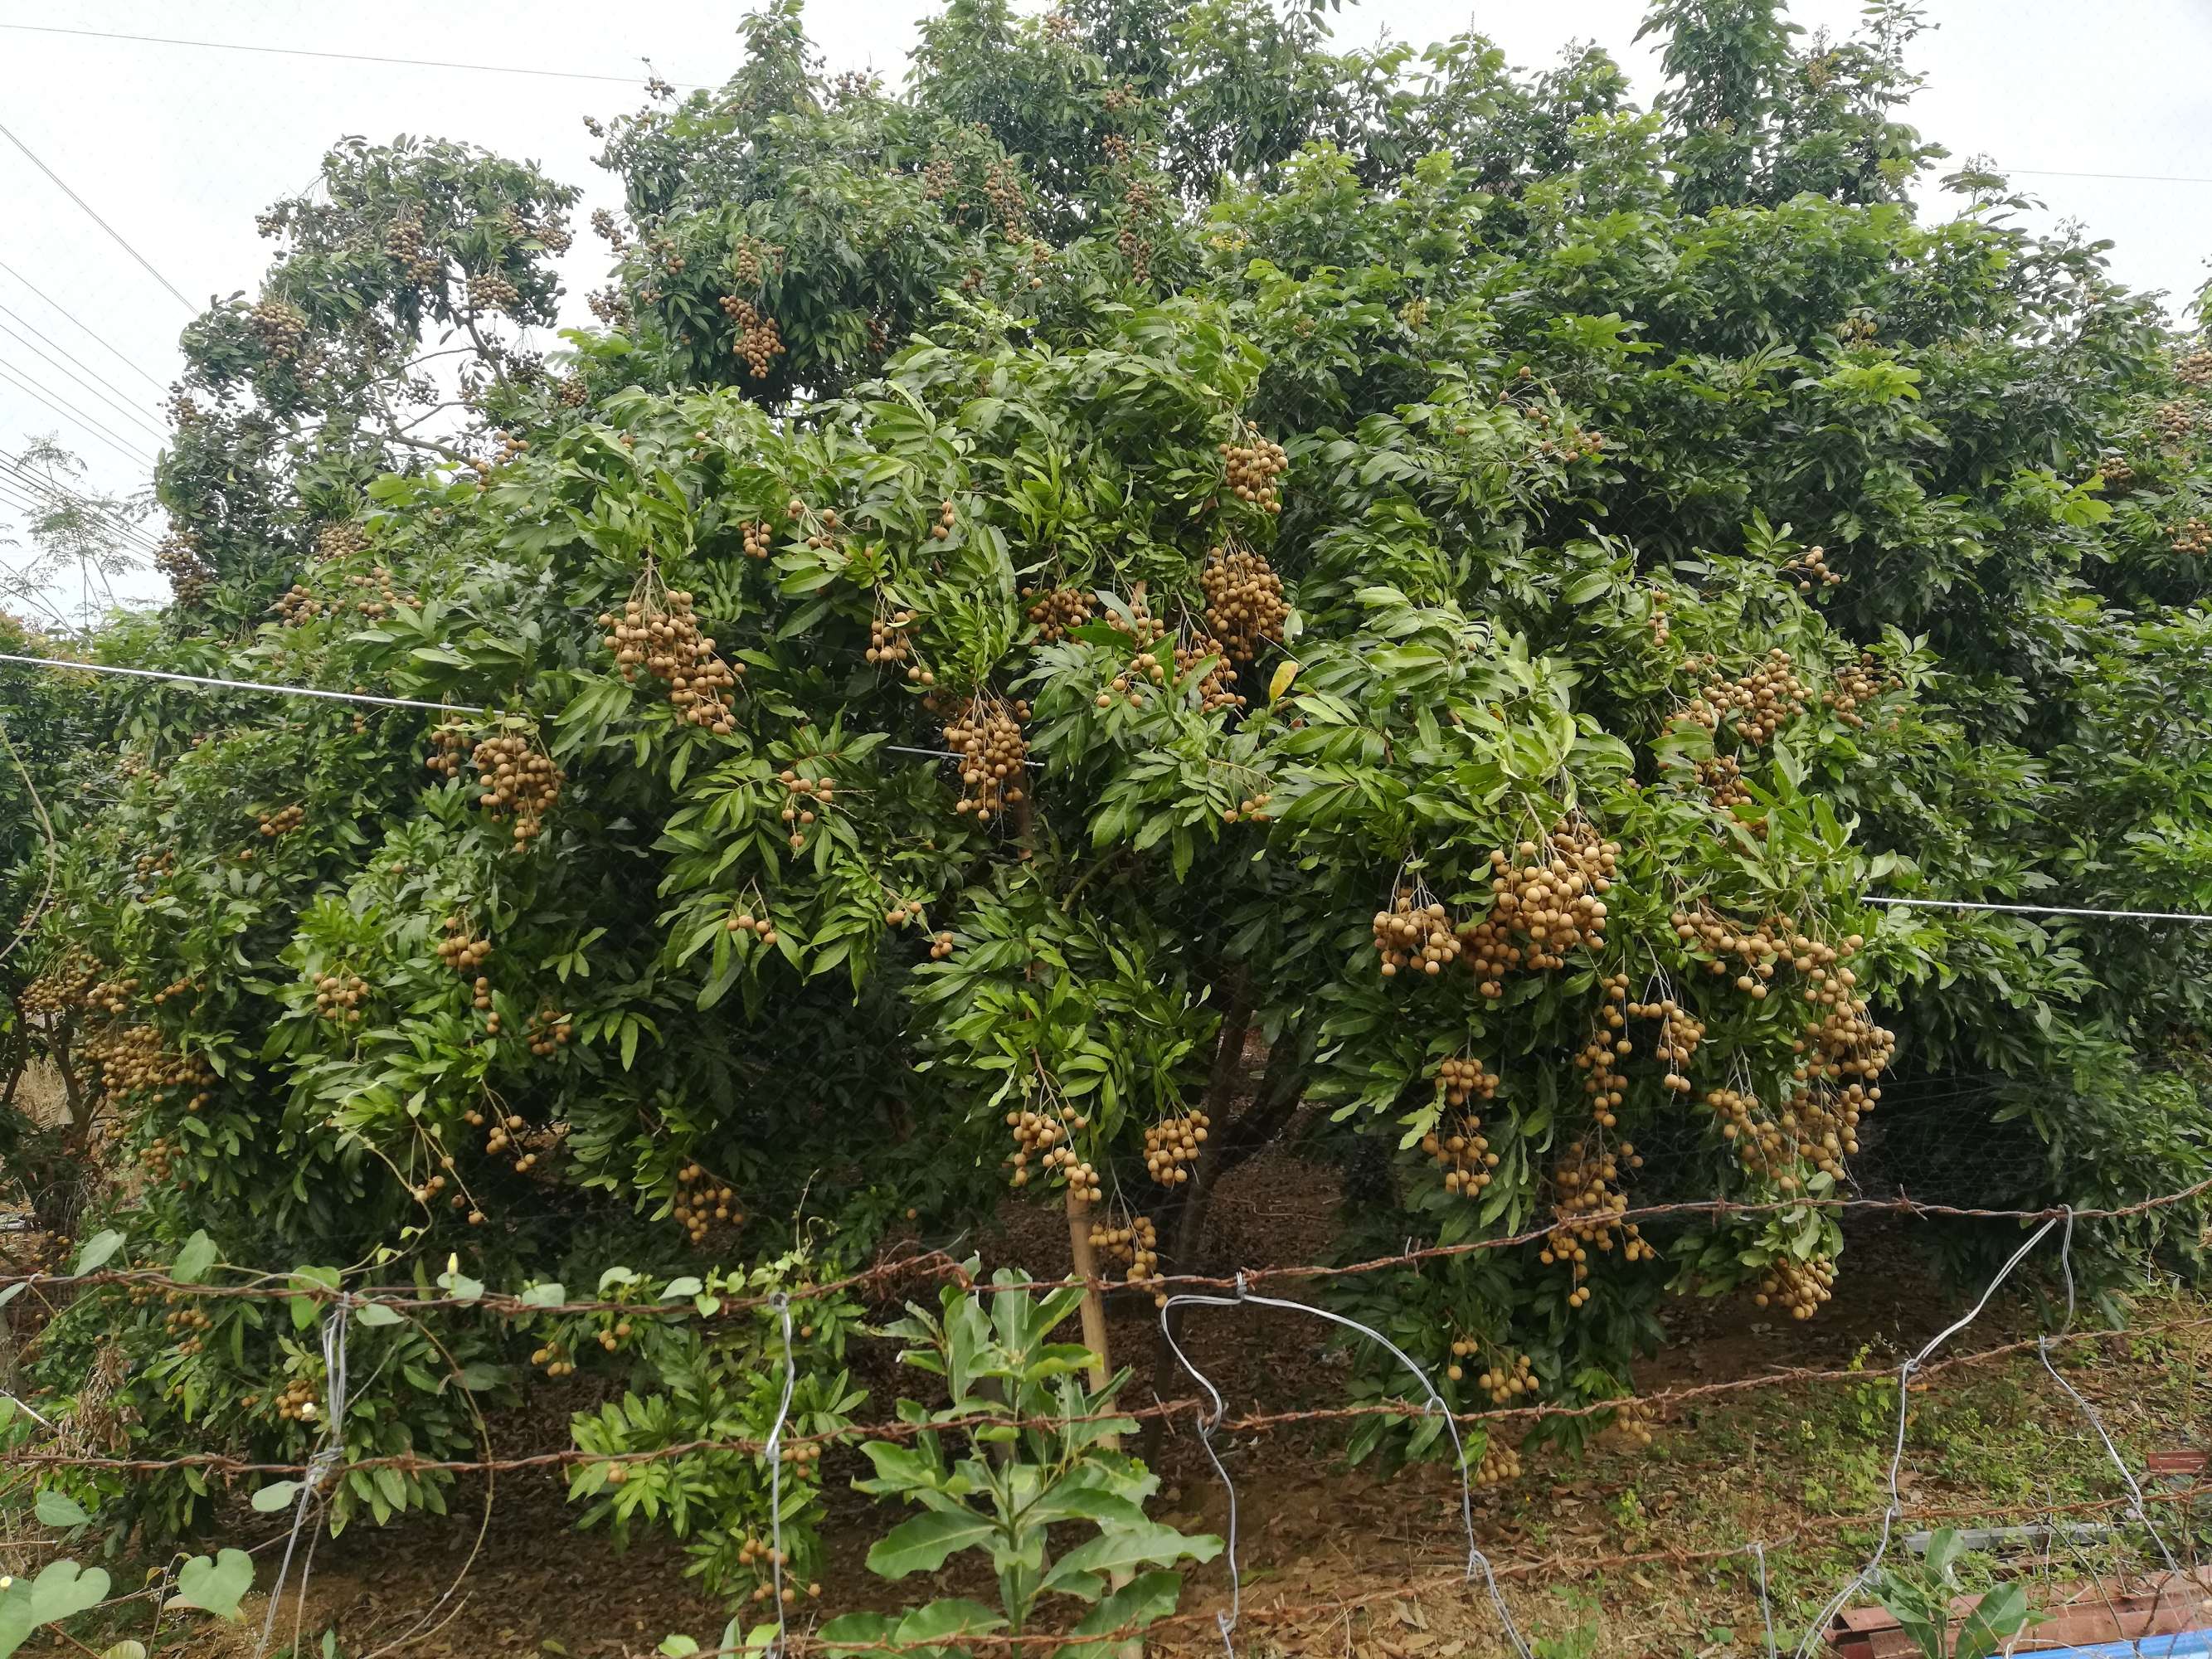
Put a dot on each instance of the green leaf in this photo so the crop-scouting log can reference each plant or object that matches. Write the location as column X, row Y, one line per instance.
column 62, row 1591
column 922, row 1544
column 125, row 1649
column 276, row 1495
column 194, row 1259
column 373, row 1314
column 58, row 1508
column 677, row 1289
column 215, row 1586
column 1149, row 1544
column 97, row 1249
column 1145, row 1598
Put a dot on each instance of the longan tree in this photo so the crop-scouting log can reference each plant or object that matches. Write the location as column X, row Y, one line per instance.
column 1123, row 606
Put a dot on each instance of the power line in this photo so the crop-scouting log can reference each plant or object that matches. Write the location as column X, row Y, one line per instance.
column 2043, row 909
column 243, row 685
column 342, row 57
column 90, row 373
column 54, row 493
column 145, row 263
column 86, row 327
column 2139, row 177
column 67, row 412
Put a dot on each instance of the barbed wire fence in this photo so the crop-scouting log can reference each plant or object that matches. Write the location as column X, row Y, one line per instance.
column 1231, row 1296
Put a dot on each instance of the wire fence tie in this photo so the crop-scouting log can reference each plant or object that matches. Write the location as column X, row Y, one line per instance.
column 773, row 1453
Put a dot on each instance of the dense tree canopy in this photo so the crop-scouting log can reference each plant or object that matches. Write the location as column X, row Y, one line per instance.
column 1160, row 532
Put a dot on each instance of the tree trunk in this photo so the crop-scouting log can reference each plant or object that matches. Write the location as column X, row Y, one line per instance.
column 1228, row 1143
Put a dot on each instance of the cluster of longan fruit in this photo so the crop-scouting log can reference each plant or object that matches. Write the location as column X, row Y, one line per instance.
column 1587, row 1181
column 612, row 1338
column 1415, row 930
column 1602, row 1053
column 518, row 780
column 1505, row 1382
column 1216, row 689
column 2194, row 538
column 1633, row 1422
column 1057, row 612
column 1756, row 702
column 1252, row 809
column 1662, row 626
column 746, row 922
column 993, row 758
column 160, row 1157
column 1244, row 603
column 2176, row 420
column 298, row 1401
column 338, row 997
column 2116, row 472
column 283, row 820
column 1044, row 1135
column 759, row 539
column 132, row 1060
column 1464, row 1079
column 1721, row 776
column 887, row 640
column 184, row 1325
column 1550, row 893
column 751, row 259
column 1134, row 1245
column 760, row 1558
column 759, row 341
column 1500, row 1464
column 492, row 290
column 547, row 1032
column 701, row 1202
column 1145, row 669
column 1801, row 1287
column 1575, row 441
column 2194, row 370
column 282, row 329
column 63, row 985
column 1810, row 568
column 462, row 951
column 1858, row 684
column 659, row 631
column 112, row 996
column 555, row 1363
column 1253, row 466
column 1760, row 1144
column 1171, row 1146
column 403, row 240
column 1462, row 1152
column 423, row 1191
column 906, row 910
column 947, row 516
column 798, row 791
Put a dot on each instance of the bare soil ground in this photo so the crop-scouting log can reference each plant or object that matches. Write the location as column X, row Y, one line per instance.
column 1799, row 1469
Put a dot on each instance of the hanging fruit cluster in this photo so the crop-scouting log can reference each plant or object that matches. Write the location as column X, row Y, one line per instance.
column 1856, row 686
column 339, row 538
column 1505, row 1380
column 751, row 260
column 1044, row 1135
column 1547, row 898
column 994, row 759
column 403, row 240
column 702, row 1203
column 447, row 741
column 192, row 579
column 63, row 985
column 745, row 922
column 1661, row 629
column 1253, row 465
column 462, row 951
column 2176, row 420
column 659, row 632
column 2194, row 538
column 132, row 1060
column 1133, row 1244
column 1217, row 688
column 547, row 1032
column 1464, row 1080
column 1171, row 1146
column 1721, row 776
column 185, row 1324
column 1755, row 702
column 1588, row 1201
column 520, row 781
column 1414, row 930
column 338, row 998
column 554, row 1362
column 492, row 290
column 1500, row 1463
column 1059, row 612
column 283, row 820
column 1244, row 603
column 1810, row 569
column 887, row 638
column 298, row 1402
column 1601, row 1055
column 1462, row 1150
column 758, row 539
column 759, row 341
column 801, row 794
column 1801, row 1287
column 160, row 1157
column 2116, row 473
column 281, row 328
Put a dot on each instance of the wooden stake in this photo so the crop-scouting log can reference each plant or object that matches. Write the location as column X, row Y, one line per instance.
column 1094, row 1300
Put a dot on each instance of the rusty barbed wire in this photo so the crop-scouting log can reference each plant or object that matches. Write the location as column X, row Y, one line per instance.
column 223, row 1463
column 940, row 1264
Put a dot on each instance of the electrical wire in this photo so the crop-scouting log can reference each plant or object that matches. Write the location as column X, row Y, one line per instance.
column 148, row 264
column 83, row 378
column 341, row 56
column 84, row 327
column 58, row 494
column 243, row 685
column 68, row 412
column 2040, row 910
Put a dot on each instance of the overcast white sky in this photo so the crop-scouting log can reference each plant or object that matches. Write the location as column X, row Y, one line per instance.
column 178, row 146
